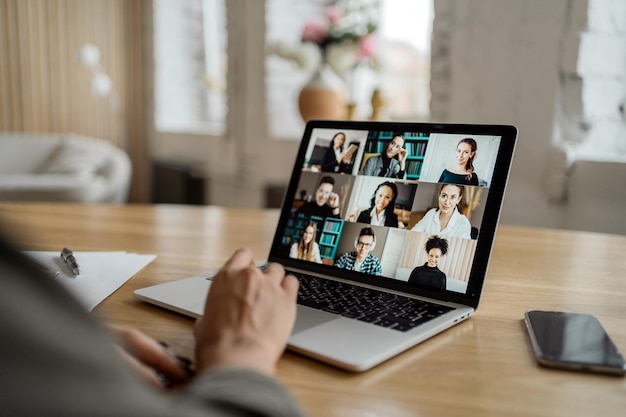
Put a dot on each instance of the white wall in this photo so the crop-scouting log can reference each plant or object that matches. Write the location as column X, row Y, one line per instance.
column 505, row 61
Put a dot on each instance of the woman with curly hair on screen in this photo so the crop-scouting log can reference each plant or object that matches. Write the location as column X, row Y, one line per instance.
column 429, row 274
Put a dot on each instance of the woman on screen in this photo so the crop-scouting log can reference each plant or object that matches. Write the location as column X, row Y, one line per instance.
column 446, row 219
column 382, row 205
column 391, row 163
column 463, row 171
column 429, row 274
column 307, row 248
column 335, row 158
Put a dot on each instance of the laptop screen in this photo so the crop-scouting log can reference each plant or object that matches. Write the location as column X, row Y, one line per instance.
column 407, row 206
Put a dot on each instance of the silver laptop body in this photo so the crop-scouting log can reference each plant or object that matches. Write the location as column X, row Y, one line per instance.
column 399, row 268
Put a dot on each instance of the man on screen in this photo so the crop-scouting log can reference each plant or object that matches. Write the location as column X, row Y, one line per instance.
column 326, row 202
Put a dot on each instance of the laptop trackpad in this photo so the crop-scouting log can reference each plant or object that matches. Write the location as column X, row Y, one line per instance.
column 308, row 318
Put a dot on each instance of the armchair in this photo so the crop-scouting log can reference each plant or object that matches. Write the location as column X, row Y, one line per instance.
column 62, row 167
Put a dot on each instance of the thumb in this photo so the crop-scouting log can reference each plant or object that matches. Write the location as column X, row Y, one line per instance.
column 291, row 284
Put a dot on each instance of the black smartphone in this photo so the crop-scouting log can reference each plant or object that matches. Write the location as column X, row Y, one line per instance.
column 572, row 341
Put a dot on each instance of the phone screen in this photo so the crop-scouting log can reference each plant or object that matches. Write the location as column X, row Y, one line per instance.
column 572, row 340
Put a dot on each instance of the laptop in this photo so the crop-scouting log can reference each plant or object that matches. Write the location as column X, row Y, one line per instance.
column 390, row 243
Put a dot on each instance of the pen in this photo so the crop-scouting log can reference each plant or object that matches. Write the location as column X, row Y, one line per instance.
column 68, row 257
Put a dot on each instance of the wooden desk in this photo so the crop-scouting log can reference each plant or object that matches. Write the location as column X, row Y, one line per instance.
column 482, row 367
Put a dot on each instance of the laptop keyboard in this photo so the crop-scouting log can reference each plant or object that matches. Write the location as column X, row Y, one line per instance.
column 377, row 307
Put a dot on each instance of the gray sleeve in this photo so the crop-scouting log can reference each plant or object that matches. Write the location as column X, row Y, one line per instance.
column 241, row 392
column 370, row 166
column 57, row 361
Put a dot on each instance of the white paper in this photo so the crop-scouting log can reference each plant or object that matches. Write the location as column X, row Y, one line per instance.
column 101, row 273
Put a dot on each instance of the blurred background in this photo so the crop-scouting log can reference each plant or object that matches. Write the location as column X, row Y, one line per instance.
column 209, row 97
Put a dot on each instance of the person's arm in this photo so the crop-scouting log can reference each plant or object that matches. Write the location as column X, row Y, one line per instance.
column 378, row 269
column 441, row 284
column 248, row 316
column 57, row 361
column 402, row 156
column 333, row 203
column 247, row 320
column 413, row 277
column 341, row 262
column 364, row 217
column 465, row 227
column 391, row 220
column 152, row 361
column 370, row 166
column 397, row 169
column 329, row 162
column 346, row 158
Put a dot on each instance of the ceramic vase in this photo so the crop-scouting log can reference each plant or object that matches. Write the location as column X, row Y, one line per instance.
column 324, row 96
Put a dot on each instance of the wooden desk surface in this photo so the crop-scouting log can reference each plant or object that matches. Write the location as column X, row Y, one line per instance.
column 482, row 367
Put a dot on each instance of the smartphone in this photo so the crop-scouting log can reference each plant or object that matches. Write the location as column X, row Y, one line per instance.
column 572, row 341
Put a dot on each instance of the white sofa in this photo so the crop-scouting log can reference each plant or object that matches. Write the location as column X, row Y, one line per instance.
column 62, row 167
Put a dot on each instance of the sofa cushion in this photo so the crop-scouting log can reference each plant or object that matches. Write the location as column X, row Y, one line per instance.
column 75, row 157
column 24, row 153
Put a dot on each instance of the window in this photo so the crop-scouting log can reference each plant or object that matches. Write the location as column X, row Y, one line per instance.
column 405, row 29
column 190, row 49
column 190, row 66
column 402, row 74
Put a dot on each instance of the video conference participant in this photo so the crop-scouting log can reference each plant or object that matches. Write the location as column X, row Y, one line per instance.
column 307, row 248
column 446, row 219
column 463, row 171
column 361, row 259
column 382, row 205
column 429, row 274
column 335, row 158
column 391, row 163
column 325, row 203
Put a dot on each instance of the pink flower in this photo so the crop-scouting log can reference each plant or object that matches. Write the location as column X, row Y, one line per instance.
column 334, row 14
column 367, row 46
column 314, row 31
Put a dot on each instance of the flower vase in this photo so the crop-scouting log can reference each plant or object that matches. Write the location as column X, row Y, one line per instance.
column 324, row 96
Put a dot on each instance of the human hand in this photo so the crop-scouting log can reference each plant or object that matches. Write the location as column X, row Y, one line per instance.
column 149, row 359
column 248, row 316
column 403, row 154
column 333, row 200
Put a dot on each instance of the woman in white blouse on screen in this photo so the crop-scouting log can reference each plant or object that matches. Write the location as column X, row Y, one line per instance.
column 446, row 220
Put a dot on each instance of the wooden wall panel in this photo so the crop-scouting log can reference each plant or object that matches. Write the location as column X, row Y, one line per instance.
column 43, row 87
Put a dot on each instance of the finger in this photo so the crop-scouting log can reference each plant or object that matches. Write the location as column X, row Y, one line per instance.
column 163, row 361
column 275, row 271
column 144, row 372
column 149, row 352
column 242, row 258
column 291, row 284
